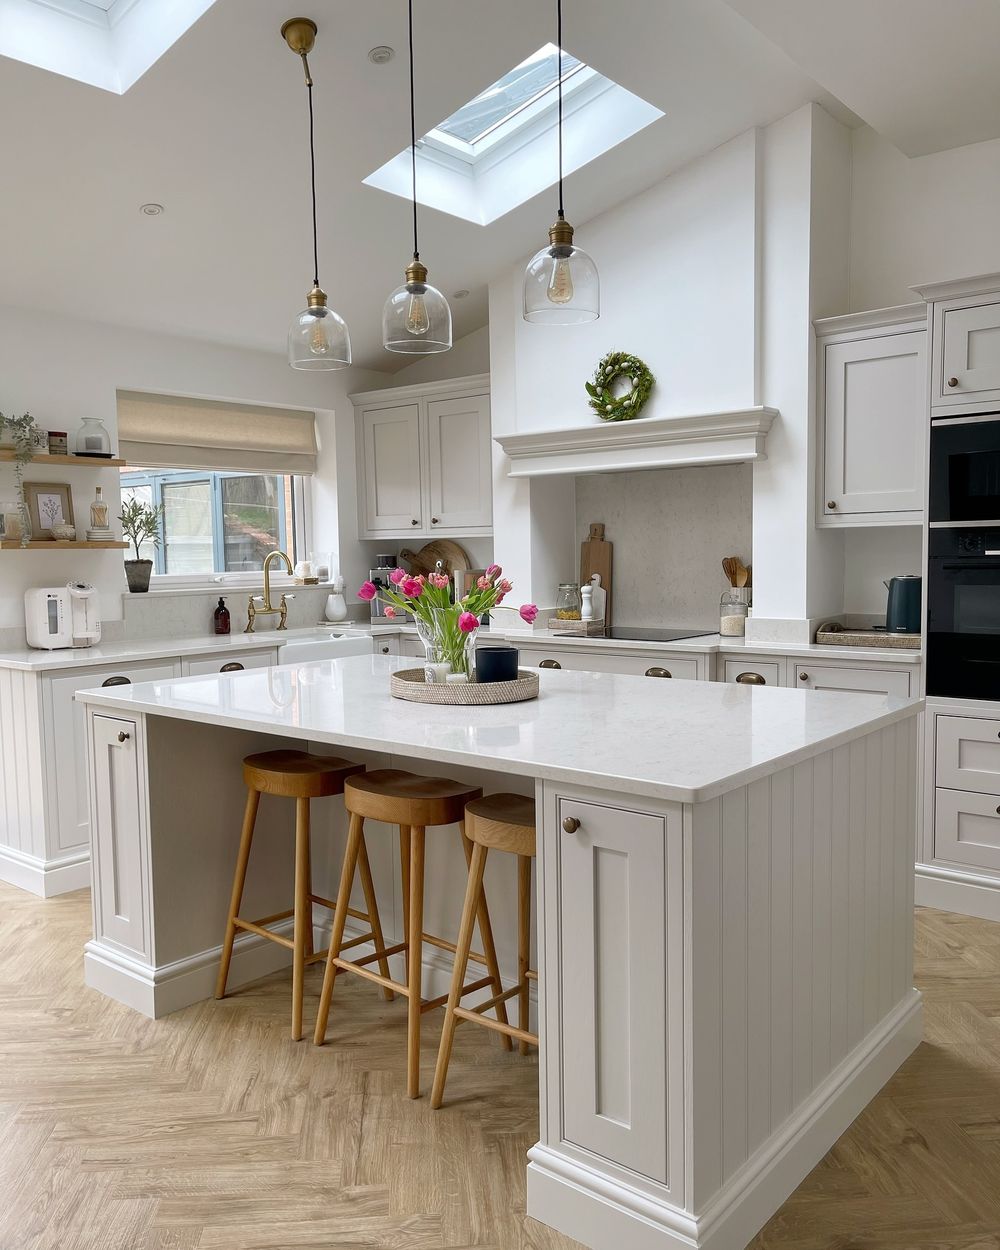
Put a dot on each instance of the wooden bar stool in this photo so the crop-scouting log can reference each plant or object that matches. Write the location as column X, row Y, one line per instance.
column 302, row 777
column 413, row 803
column 501, row 822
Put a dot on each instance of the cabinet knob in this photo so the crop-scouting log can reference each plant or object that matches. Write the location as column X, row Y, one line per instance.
column 434, row 521
column 414, row 521
column 117, row 681
column 658, row 672
column 803, row 676
column 123, row 736
column 953, row 381
column 385, row 650
column 751, row 679
column 832, row 504
column 571, row 824
column 231, row 667
column 998, row 811
column 550, row 664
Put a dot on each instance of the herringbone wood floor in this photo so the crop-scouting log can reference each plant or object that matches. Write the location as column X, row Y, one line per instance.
column 211, row 1130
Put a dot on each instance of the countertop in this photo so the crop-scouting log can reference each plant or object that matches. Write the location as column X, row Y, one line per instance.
column 685, row 741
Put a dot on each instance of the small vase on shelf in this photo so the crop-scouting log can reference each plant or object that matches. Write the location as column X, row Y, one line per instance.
column 93, row 439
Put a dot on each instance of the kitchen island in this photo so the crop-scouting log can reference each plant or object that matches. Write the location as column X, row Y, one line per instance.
column 724, row 940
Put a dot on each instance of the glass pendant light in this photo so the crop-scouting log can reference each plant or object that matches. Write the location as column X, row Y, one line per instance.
column 561, row 283
column 416, row 318
column 318, row 338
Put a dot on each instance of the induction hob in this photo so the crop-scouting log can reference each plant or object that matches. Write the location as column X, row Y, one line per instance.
column 643, row 633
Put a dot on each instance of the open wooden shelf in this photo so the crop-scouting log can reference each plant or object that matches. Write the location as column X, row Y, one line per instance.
column 89, row 462
column 49, row 544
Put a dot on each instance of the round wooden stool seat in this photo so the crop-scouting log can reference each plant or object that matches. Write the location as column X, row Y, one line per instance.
column 504, row 822
column 297, row 774
column 400, row 798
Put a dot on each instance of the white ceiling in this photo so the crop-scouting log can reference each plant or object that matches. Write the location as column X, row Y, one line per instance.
column 216, row 132
column 923, row 73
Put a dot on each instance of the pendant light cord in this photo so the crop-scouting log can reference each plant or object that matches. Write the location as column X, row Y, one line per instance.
column 560, row 94
column 312, row 168
column 413, row 141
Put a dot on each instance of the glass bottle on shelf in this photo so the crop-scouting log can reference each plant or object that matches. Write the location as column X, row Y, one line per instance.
column 93, row 439
column 568, row 602
column 734, row 608
column 99, row 513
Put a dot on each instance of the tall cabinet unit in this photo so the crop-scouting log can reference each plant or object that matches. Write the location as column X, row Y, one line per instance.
column 425, row 460
column 872, row 406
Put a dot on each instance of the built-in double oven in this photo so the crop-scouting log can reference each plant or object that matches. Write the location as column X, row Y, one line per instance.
column 963, row 567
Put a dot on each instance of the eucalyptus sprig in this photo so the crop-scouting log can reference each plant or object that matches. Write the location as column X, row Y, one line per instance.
column 24, row 432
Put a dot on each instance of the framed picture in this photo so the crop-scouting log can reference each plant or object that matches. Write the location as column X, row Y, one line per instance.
column 49, row 503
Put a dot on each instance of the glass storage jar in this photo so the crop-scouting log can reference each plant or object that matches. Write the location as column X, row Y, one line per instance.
column 734, row 608
column 93, row 439
column 568, row 602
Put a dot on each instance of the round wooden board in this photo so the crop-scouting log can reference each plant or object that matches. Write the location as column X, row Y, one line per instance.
column 451, row 554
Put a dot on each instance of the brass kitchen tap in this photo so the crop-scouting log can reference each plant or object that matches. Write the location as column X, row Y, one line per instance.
column 281, row 611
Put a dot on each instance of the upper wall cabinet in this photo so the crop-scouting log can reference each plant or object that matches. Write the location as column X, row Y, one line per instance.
column 872, row 413
column 425, row 463
column 965, row 365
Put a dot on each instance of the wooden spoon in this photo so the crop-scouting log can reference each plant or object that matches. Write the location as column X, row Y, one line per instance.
column 729, row 567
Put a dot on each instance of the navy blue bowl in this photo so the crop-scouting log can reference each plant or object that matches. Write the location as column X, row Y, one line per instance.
column 496, row 664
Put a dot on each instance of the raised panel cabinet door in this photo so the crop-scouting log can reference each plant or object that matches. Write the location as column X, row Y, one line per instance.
column 612, row 984
column 967, row 828
column 968, row 753
column 390, row 443
column 66, row 741
column 119, row 843
column 460, row 463
column 852, row 680
column 876, row 418
column 970, row 357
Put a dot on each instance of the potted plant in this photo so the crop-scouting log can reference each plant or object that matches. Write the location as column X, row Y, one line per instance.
column 25, row 436
column 140, row 523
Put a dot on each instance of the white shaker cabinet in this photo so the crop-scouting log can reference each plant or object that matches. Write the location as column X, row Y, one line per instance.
column 425, row 460
column 872, row 410
column 857, row 680
column 965, row 333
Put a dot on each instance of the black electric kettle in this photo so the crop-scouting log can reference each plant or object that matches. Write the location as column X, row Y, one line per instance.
column 902, row 609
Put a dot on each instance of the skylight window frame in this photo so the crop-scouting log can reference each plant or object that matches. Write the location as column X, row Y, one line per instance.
column 507, row 128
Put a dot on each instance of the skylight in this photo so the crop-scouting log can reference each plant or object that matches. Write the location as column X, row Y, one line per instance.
column 498, row 150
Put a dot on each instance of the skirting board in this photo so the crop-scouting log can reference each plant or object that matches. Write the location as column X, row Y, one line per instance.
column 600, row 1211
column 951, row 889
column 45, row 877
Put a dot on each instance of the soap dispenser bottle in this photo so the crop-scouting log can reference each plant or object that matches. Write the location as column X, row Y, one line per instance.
column 222, row 621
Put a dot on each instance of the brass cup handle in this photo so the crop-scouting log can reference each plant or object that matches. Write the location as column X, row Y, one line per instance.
column 570, row 824
column 123, row 736
column 232, row 667
column 117, row 681
column 953, row 381
column 550, row 664
column 751, row 679
column 998, row 811
column 658, row 672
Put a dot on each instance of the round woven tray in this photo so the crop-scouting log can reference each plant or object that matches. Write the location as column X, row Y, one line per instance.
column 408, row 683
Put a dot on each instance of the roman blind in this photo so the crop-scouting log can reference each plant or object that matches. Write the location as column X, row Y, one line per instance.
column 172, row 432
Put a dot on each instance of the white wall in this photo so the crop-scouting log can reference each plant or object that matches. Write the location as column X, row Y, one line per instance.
column 871, row 555
column 918, row 220
column 61, row 370
column 469, row 355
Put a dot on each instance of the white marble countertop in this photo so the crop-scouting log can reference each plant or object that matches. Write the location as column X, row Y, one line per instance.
column 681, row 740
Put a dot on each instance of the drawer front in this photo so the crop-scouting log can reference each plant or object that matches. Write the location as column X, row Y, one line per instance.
column 388, row 646
column 408, row 646
column 227, row 663
column 967, row 828
column 852, row 680
column 968, row 754
column 654, row 664
column 754, row 673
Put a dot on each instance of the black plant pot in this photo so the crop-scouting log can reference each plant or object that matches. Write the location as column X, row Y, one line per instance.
column 138, row 574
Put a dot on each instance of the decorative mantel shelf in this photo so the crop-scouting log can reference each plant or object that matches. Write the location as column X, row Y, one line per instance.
column 645, row 443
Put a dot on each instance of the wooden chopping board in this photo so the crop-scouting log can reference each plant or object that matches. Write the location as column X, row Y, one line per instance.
column 595, row 557
column 451, row 554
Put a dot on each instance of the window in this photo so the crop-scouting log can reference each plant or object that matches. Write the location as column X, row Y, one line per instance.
column 216, row 522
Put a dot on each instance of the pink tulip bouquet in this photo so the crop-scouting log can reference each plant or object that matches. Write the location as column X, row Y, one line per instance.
column 447, row 629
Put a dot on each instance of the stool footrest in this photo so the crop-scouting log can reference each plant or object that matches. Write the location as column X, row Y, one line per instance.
column 443, row 944
column 510, row 1030
column 252, row 927
column 497, row 999
column 481, row 984
column 347, row 965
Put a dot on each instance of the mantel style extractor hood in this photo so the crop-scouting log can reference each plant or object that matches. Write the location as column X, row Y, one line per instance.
column 645, row 443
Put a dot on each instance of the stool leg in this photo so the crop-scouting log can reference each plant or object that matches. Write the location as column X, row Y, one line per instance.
column 415, row 939
column 303, row 913
column 473, row 892
column 523, row 942
column 239, row 880
column 310, row 948
column 371, row 906
column 354, row 836
column 489, row 947
column 404, row 861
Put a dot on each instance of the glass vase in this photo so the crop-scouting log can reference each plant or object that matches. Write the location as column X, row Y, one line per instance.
column 93, row 439
column 445, row 644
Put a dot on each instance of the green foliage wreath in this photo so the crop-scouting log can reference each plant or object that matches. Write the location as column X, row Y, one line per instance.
column 611, row 407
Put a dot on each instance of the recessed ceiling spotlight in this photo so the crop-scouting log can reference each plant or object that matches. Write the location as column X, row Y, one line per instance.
column 463, row 294
column 381, row 55
column 151, row 210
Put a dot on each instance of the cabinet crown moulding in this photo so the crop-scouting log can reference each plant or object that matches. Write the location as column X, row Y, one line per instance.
column 731, row 437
